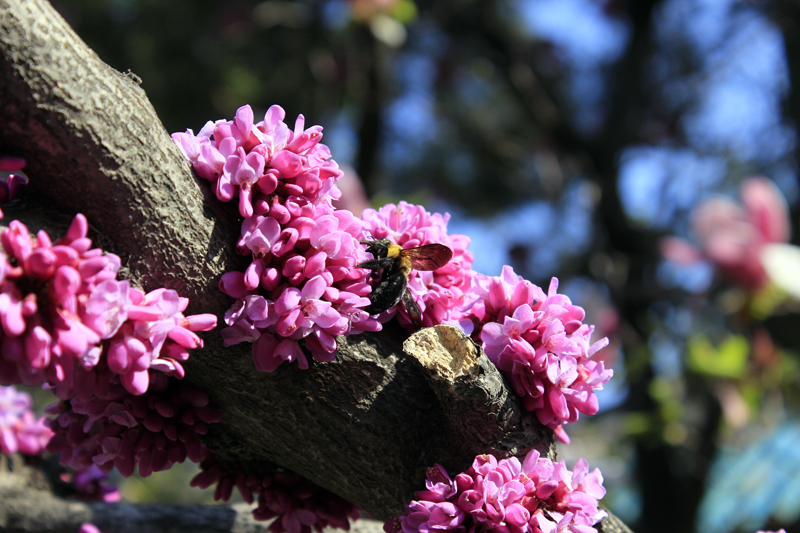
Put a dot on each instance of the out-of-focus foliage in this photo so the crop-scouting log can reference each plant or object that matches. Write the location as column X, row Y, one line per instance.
column 565, row 137
column 727, row 361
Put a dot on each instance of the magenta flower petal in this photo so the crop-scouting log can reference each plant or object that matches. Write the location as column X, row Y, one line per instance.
column 201, row 322
column 232, row 284
column 288, row 301
column 136, row 381
column 264, row 353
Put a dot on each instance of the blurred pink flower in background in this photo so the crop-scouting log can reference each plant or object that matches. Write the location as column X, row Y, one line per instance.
column 364, row 9
column 20, row 430
column 733, row 235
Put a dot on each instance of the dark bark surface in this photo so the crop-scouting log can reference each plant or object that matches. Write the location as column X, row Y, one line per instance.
column 368, row 424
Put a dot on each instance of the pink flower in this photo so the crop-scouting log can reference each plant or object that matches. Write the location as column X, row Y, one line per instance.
column 259, row 235
column 506, row 496
column 12, row 186
column 327, row 237
column 20, row 431
column 732, row 235
column 539, row 342
column 106, row 309
column 114, row 428
column 32, row 434
column 90, row 484
column 297, row 504
column 500, row 296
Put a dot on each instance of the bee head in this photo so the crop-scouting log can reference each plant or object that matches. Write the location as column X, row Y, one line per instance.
column 379, row 248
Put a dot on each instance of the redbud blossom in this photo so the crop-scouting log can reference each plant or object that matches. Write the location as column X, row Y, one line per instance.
column 539, row 342
column 90, row 485
column 296, row 504
column 536, row 496
column 297, row 291
column 11, row 185
column 115, row 428
column 73, row 310
column 20, row 431
column 733, row 235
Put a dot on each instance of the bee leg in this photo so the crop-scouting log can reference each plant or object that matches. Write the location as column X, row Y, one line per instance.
column 375, row 264
column 413, row 309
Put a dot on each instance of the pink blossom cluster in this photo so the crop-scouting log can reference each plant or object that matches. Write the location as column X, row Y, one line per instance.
column 541, row 345
column 115, row 428
column 20, row 430
column 259, row 162
column 61, row 308
column 537, row 340
column 297, row 504
column 89, row 484
column 301, row 288
column 536, row 496
column 732, row 235
column 440, row 294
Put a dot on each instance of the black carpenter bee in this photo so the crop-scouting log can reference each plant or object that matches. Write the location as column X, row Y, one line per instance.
column 392, row 264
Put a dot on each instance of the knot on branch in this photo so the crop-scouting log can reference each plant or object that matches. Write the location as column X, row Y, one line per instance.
column 445, row 352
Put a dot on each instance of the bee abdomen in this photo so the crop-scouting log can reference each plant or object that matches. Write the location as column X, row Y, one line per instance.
column 387, row 293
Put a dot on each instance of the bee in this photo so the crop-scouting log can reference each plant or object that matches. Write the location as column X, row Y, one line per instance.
column 391, row 265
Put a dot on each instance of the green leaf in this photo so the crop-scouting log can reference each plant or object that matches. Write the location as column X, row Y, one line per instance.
column 727, row 361
column 404, row 11
column 637, row 423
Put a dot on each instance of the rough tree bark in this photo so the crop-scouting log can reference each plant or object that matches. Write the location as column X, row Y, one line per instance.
column 365, row 426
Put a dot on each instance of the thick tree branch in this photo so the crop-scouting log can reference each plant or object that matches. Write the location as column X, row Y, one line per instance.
column 367, row 425
column 28, row 505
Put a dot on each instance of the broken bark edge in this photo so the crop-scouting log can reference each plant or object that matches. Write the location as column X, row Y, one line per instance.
column 483, row 413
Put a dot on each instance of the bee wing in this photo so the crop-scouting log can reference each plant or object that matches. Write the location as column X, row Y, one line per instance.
column 429, row 257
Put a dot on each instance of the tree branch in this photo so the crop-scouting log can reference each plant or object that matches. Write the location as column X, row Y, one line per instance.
column 27, row 505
